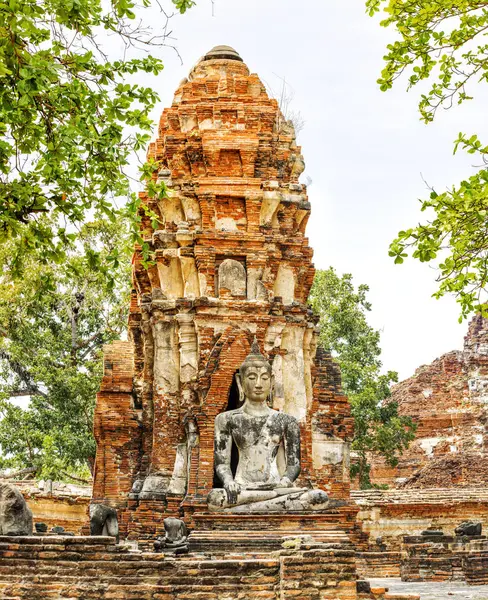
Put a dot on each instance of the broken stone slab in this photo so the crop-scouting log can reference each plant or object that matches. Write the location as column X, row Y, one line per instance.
column 363, row 586
column 15, row 515
column 103, row 521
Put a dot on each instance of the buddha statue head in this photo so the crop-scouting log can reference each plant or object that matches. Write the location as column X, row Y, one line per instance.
column 255, row 378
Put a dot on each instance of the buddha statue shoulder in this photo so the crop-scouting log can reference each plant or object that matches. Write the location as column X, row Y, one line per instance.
column 260, row 483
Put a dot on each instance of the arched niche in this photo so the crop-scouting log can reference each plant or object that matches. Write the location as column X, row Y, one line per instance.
column 235, row 345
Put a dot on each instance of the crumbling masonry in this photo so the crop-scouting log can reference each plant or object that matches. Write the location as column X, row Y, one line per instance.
column 231, row 261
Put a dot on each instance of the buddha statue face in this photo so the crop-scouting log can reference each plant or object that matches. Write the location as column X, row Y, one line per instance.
column 255, row 381
column 255, row 378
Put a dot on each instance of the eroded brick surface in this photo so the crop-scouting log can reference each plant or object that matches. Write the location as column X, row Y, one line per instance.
column 447, row 399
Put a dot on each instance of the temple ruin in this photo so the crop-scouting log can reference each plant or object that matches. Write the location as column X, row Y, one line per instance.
column 223, row 436
column 440, row 480
column 448, row 401
column 231, row 263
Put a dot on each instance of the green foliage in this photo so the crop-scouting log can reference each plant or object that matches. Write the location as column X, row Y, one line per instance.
column 444, row 43
column 69, row 117
column 346, row 334
column 53, row 324
column 69, row 120
column 183, row 5
column 458, row 236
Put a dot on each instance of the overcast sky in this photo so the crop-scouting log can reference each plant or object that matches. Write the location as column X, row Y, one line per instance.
column 365, row 151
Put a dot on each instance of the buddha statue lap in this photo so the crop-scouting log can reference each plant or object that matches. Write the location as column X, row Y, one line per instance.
column 260, row 434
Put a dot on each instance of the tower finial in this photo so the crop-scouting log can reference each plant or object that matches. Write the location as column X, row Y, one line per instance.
column 222, row 53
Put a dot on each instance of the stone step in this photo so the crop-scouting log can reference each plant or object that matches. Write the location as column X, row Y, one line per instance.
column 66, row 540
column 279, row 533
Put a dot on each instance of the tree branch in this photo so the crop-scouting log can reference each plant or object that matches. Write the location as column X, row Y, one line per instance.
column 85, row 481
column 27, row 470
column 22, row 373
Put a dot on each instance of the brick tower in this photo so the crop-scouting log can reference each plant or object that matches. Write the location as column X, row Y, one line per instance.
column 231, row 262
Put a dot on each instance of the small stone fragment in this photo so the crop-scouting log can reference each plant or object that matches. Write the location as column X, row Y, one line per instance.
column 469, row 528
column 57, row 529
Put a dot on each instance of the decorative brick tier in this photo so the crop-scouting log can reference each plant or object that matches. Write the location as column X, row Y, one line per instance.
column 221, row 541
column 93, row 569
column 343, row 517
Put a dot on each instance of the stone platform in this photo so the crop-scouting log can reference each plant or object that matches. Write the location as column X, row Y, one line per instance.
column 95, row 568
column 35, row 568
column 219, row 541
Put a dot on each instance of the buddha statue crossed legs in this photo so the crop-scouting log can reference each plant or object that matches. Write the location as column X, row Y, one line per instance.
column 260, row 433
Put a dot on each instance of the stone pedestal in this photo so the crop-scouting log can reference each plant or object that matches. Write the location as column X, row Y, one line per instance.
column 265, row 532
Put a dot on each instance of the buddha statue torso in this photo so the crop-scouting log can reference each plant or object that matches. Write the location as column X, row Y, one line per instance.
column 258, row 439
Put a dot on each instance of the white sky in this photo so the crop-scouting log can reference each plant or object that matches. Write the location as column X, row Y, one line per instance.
column 364, row 150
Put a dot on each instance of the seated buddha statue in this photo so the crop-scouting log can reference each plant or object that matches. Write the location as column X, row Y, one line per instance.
column 260, row 483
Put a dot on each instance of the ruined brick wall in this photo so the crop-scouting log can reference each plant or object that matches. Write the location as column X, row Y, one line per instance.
column 447, row 399
column 117, row 425
column 445, row 558
column 231, row 262
column 386, row 516
column 56, row 504
column 67, row 512
column 389, row 517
